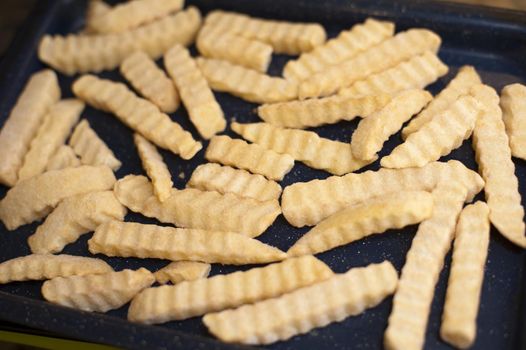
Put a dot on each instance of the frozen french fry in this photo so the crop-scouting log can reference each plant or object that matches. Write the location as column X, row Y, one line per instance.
column 73, row 53
column 376, row 215
column 150, row 81
column 251, row 157
column 305, row 146
column 415, row 73
column 424, row 261
column 206, row 210
column 224, row 179
column 179, row 271
column 156, row 169
column 346, row 45
column 308, row 203
column 46, row 266
column 368, row 139
column 513, row 104
column 493, row 155
column 100, row 293
column 466, row 77
column 442, row 134
column 34, row 198
column 459, row 318
column 53, row 132
column 137, row 113
column 192, row 298
column 128, row 239
column 63, row 158
column 96, row 8
column 35, row 101
column 204, row 111
column 73, row 217
column 298, row 312
column 91, row 149
column 319, row 111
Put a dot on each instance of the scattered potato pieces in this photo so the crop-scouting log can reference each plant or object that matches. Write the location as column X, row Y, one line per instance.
column 137, row 113
column 91, row 149
column 39, row 94
column 99, row 293
column 370, row 135
column 63, row 158
column 150, row 81
column 424, row 261
column 513, row 104
column 251, row 157
column 224, row 179
column 308, row 203
column 128, row 239
column 192, row 298
column 73, row 217
column 306, row 146
column 206, row 210
column 46, row 266
column 442, row 134
column 73, row 54
column 466, row 77
column 34, row 198
column 53, row 132
column 459, row 319
column 493, row 155
column 346, row 45
column 376, row 215
column 179, row 271
column 310, row 307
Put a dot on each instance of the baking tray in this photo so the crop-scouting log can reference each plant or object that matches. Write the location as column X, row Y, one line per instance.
column 492, row 40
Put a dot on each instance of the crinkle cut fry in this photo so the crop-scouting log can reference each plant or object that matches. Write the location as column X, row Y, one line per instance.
column 64, row 157
column 513, row 104
column 179, row 271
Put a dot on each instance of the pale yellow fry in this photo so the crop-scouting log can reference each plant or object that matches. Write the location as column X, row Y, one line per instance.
column 246, row 83
column 251, row 157
column 513, row 104
column 34, row 198
column 137, row 113
column 297, row 312
column 370, row 135
column 305, row 146
column 128, row 239
column 203, row 109
column 376, row 215
column 64, row 157
column 179, row 271
column 346, row 45
column 73, row 217
column 383, row 56
column 493, row 156
column 285, row 37
column 308, row 203
column 93, row 53
column 192, row 298
column 423, row 263
column 224, row 179
column 206, row 210
column 91, row 149
column 53, row 132
column 415, row 73
column 155, row 167
column 459, row 319
column 96, row 8
column 99, row 293
column 319, row 111
column 132, row 14
column 466, row 77
column 39, row 94
column 214, row 42
column 46, row 266
column 441, row 135
column 150, row 81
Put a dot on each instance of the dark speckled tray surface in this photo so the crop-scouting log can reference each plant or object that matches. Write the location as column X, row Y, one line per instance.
column 494, row 41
